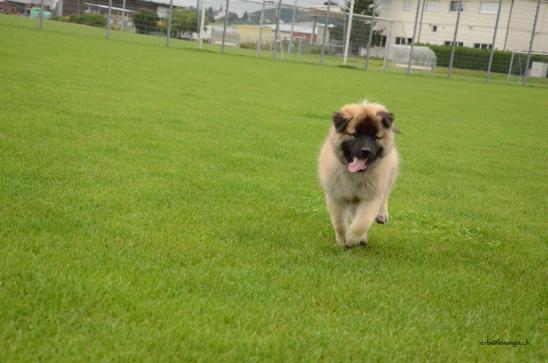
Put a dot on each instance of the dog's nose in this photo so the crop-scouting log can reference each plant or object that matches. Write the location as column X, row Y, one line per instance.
column 365, row 152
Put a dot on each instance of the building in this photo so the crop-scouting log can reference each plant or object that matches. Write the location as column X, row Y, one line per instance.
column 74, row 7
column 437, row 23
column 24, row 7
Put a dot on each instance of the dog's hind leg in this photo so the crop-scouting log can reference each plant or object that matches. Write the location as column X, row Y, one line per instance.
column 338, row 213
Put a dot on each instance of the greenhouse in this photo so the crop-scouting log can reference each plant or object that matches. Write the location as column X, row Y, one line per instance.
column 232, row 37
column 423, row 57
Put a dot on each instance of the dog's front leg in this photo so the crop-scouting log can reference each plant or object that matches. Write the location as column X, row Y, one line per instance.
column 382, row 217
column 337, row 212
column 366, row 213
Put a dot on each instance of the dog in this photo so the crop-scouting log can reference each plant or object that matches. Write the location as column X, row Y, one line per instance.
column 358, row 165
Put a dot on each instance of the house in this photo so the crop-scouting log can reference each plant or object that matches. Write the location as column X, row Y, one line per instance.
column 308, row 32
column 24, row 7
column 73, row 7
column 437, row 23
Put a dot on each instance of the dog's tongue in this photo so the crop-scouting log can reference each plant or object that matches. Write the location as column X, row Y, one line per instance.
column 357, row 165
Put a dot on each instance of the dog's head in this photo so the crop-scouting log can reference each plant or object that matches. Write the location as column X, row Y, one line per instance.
column 362, row 133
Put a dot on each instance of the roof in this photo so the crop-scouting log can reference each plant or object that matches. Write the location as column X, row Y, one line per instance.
column 106, row 7
column 304, row 28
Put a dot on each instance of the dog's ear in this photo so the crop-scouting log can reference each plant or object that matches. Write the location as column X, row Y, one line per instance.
column 340, row 121
column 387, row 118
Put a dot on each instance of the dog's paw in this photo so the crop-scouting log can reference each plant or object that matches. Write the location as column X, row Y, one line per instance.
column 340, row 241
column 362, row 243
column 353, row 239
column 382, row 218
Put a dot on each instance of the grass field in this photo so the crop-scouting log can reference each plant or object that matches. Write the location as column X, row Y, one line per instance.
column 306, row 57
column 162, row 205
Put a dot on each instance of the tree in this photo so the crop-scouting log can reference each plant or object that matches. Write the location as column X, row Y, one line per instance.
column 245, row 18
column 232, row 18
column 210, row 15
column 183, row 22
column 360, row 26
column 145, row 21
column 363, row 7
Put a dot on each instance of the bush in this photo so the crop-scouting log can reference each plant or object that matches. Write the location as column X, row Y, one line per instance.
column 248, row 45
column 86, row 19
column 253, row 45
column 478, row 59
column 315, row 49
column 146, row 21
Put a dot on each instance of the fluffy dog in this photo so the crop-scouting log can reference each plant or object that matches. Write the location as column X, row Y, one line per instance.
column 358, row 165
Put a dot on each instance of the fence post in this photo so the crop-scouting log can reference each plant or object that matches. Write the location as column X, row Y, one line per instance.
column 224, row 28
column 169, row 22
column 511, row 66
column 123, row 25
column 526, row 76
column 202, row 22
column 59, row 8
column 275, row 42
column 508, row 24
column 370, row 37
column 348, row 30
column 290, row 48
column 386, row 45
column 41, row 14
column 454, row 43
column 198, row 14
column 314, row 38
column 109, row 19
column 413, row 39
column 421, row 21
column 261, row 24
column 322, row 52
column 492, row 52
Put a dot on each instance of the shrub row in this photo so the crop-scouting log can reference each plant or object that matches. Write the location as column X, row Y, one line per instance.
column 86, row 19
column 473, row 58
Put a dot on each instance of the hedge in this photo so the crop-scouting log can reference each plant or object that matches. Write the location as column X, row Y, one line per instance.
column 86, row 19
column 473, row 58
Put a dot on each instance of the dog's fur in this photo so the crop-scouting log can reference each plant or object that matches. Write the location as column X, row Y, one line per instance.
column 358, row 165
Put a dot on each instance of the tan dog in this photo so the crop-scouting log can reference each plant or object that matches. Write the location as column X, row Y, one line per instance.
column 358, row 166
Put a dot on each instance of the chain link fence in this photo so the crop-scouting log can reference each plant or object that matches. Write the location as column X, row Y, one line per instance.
column 499, row 40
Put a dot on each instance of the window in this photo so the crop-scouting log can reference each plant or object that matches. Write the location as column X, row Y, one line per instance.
column 385, row 5
column 448, row 43
column 489, row 7
column 408, row 5
column 379, row 41
column 434, row 28
column 433, row 5
column 482, row 46
column 454, row 5
column 403, row 41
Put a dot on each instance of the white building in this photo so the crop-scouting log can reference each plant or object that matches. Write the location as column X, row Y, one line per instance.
column 437, row 23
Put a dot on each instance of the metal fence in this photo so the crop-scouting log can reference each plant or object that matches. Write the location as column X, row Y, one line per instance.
column 501, row 40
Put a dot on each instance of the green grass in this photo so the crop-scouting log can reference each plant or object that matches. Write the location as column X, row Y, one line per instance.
column 163, row 205
column 306, row 57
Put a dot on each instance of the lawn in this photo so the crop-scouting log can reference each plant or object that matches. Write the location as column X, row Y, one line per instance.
column 163, row 205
